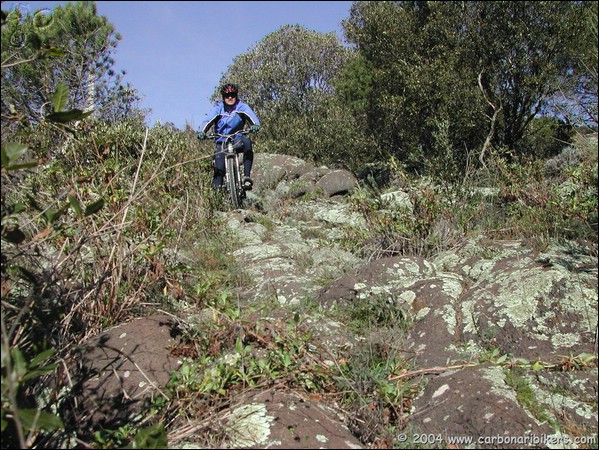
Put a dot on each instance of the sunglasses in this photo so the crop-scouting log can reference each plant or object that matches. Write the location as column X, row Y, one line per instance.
column 229, row 96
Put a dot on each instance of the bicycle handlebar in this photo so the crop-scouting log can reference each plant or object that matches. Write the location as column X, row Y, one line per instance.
column 226, row 136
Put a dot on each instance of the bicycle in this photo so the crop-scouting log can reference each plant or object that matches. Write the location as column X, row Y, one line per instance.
column 234, row 172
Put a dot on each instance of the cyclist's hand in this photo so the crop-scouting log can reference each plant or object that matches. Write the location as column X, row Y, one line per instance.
column 201, row 135
column 254, row 128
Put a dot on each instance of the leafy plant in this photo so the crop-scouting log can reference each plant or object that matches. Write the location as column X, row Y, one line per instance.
column 18, row 417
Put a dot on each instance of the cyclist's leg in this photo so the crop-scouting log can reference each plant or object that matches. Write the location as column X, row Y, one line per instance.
column 219, row 166
column 248, row 159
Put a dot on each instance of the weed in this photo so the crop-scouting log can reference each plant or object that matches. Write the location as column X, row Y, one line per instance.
column 525, row 394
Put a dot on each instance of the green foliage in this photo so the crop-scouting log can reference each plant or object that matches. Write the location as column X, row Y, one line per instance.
column 337, row 142
column 27, row 37
column 103, row 218
column 288, row 78
column 19, row 420
column 17, row 267
column 152, row 437
column 524, row 53
column 83, row 65
column 395, row 228
column 354, row 85
column 11, row 153
column 287, row 70
column 376, row 312
column 537, row 206
column 422, row 65
column 546, row 137
column 101, row 187
column 364, row 378
column 525, row 394
column 142, row 196
column 236, row 353
column 419, row 87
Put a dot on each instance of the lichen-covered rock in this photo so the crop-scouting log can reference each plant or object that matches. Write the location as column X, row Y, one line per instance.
column 273, row 419
column 502, row 338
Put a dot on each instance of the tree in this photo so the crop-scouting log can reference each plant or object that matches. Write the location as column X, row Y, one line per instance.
column 455, row 77
column 83, row 63
column 286, row 68
column 523, row 52
column 288, row 78
column 577, row 99
column 415, row 91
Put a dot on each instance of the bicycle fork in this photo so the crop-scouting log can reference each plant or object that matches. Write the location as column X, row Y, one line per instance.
column 232, row 153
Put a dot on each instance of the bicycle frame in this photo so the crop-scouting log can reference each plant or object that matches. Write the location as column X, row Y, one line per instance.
column 233, row 179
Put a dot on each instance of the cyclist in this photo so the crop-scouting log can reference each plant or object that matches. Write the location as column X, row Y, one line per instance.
column 228, row 117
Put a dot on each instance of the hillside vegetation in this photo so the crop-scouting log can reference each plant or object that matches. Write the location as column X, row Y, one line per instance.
column 459, row 102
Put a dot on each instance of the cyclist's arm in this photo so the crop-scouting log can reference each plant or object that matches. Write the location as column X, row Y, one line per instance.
column 249, row 114
column 210, row 119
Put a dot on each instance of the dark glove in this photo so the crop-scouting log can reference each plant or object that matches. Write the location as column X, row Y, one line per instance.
column 201, row 135
column 254, row 128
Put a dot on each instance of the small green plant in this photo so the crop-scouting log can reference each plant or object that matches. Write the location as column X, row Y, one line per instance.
column 578, row 362
column 566, row 364
column 129, row 436
column 114, row 438
column 366, row 380
column 525, row 394
column 153, row 436
column 20, row 422
column 377, row 311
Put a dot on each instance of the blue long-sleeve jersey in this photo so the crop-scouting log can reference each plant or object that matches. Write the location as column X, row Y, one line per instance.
column 229, row 122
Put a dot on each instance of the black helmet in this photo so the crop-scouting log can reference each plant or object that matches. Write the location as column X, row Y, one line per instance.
column 229, row 88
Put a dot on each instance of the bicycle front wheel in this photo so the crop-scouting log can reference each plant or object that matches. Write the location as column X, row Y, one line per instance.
column 233, row 183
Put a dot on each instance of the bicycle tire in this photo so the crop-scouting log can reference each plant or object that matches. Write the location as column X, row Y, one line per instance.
column 233, row 183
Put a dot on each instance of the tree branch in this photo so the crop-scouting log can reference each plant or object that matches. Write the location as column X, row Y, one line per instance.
column 496, row 111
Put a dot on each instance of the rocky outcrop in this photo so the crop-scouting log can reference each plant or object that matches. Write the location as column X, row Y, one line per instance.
column 497, row 328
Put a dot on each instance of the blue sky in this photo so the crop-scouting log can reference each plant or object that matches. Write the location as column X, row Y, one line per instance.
column 175, row 52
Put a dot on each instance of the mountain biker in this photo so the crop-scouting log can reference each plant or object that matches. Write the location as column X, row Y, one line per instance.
column 228, row 117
